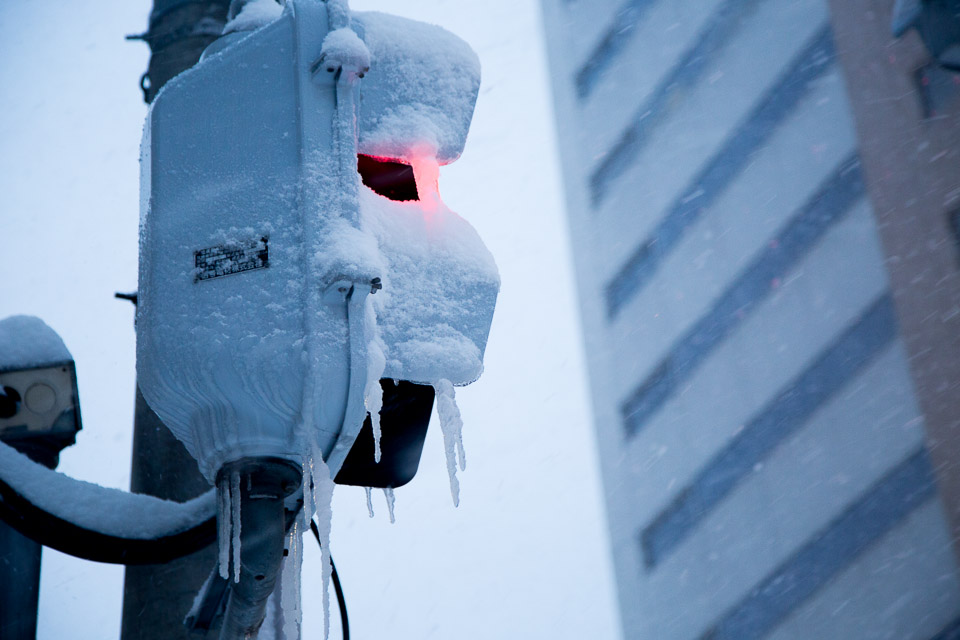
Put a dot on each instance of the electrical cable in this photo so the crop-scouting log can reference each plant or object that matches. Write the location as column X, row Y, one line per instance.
column 341, row 601
column 72, row 539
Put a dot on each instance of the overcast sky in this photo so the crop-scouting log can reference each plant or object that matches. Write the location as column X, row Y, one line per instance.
column 526, row 554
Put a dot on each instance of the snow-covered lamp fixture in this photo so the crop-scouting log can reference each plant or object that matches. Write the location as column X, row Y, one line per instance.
column 39, row 403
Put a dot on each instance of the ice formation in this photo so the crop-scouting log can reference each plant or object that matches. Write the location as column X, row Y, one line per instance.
column 391, row 501
column 452, row 428
column 224, row 522
column 369, row 492
column 320, row 509
column 235, row 523
column 290, row 585
column 376, row 363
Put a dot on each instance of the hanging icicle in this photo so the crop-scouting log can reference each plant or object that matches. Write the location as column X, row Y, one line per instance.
column 369, row 492
column 223, row 528
column 235, row 522
column 391, row 501
column 452, row 428
column 376, row 363
column 290, row 583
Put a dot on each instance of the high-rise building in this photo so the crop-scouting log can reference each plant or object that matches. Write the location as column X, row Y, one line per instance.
column 763, row 199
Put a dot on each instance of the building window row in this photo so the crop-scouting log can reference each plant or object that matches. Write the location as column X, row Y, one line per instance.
column 689, row 70
column 831, row 371
column 721, row 170
column 882, row 507
column 833, row 199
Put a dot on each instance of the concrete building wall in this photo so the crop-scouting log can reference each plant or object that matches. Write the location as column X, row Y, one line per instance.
column 764, row 450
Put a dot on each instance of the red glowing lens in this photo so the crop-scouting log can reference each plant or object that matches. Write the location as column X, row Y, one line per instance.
column 390, row 179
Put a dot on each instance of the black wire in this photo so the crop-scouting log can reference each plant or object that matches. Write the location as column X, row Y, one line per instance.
column 67, row 537
column 341, row 601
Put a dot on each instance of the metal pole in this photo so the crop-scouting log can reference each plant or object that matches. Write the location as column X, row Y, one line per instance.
column 157, row 597
column 19, row 555
column 20, row 577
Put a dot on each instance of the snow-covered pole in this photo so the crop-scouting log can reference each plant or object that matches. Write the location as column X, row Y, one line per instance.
column 39, row 416
column 178, row 33
column 253, row 491
column 156, row 597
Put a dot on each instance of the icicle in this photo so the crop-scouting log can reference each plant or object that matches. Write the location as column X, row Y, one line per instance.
column 369, row 492
column 391, row 500
column 235, row 523
column 309, row 503
column 461, row 454
column 376, row 363
column 452, row 428
column 290, row 584
column 272, row 627
column 323, row 495
column 223, row 528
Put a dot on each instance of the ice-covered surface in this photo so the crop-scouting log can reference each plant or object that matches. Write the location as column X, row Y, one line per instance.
column 26, row 341
column 420, row 91
column 253, row 15
column 90, row 506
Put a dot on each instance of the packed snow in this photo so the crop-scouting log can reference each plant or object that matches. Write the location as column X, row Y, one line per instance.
column 420, row 91
column 27, row 342
column 253, row 15
column 109, row 511
column 343, row 47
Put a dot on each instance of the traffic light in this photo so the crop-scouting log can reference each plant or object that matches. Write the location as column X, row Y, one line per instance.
column 278, row 294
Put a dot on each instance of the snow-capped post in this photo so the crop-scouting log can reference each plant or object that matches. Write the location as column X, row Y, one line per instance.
column 39, row 417
column 155, row 596
column 286, row 311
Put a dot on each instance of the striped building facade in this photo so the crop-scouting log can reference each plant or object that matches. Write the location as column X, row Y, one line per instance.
column 766, row 452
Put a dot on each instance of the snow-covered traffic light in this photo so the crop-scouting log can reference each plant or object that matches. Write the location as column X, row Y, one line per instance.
column 276, row 291
column 300, row 277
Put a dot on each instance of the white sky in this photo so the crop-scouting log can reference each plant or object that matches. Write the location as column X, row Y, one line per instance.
column 526, row 554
